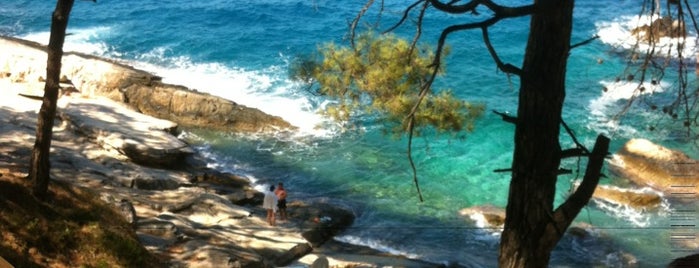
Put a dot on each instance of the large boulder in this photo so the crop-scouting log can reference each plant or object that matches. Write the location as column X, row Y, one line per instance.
column 666, row 170
column 640, row 199
column 685, row 262
column 321, row 221
column 94, row 76
column 195, row 109
column 660, row 28
column 485, row 216
column 143, row 139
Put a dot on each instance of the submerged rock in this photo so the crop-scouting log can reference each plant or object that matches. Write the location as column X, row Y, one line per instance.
column 602, row 250
column 641, row 199
column 321, row 221
column 485, row 216
column 687, row 261
column 647, row 164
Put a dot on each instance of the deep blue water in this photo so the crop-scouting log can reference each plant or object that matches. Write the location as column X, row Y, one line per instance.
column 242, row 49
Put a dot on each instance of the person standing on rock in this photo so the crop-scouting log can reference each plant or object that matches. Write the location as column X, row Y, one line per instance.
column 281, row 203
column 270, row 204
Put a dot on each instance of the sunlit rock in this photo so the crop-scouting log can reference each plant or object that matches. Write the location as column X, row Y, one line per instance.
column 143, row 139
column 640, row 199
column 485, row 216
column 648, row 164
column 93, row 76
column 659, row 28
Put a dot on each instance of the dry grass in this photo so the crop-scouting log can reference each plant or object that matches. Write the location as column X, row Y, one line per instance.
column 73, row 228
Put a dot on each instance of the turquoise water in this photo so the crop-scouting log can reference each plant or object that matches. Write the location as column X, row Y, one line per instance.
column 241, row 50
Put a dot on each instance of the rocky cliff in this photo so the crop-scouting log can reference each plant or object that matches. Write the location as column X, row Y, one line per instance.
column 92, row 76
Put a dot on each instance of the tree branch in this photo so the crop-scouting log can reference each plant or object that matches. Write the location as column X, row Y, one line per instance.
column 418, row 30
column 455, row 9
column 473, row 4
column 353, row 25
column 405, row 16
column 507, row 68
column 506, row 117
column 564, row 171
column 567, row 211
column 574, row 152
column 584, row 42
column 411, row 127
column 500, row 13
column 572, row 136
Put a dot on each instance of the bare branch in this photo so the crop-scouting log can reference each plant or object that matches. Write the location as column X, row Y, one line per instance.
column 455, row 9
column 500, row 13
column 470, row 7
column 418, row 30
column 438, row 56
column 506, row 117
column 652, row 63
column 564, row 171
column 405, row 16
column 507, row 68
column 501, row 170
column 584, row 42
column 378, row 16
column 575, row 139
column 566, row 212
column 574, row 152
column 691, row 15
column 411, row 128
column 353, row 26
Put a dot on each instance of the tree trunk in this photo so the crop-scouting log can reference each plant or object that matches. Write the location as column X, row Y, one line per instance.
column 526, row 241
column 40, row 165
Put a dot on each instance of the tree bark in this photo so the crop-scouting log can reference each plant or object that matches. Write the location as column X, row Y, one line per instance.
column 40, row 165
column 526, row 241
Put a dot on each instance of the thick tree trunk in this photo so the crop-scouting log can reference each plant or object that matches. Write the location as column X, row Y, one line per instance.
column 40, row 165
column 526, row 241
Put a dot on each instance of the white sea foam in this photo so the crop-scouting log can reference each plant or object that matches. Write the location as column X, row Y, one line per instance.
column 638, row 217
column 488, row 230
column 268, row 89
column 83, row 40
column 372, row 243
column 613, row 100
column 607, row 103
column 617, row 33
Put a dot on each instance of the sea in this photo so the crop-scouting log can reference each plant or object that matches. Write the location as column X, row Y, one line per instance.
column 242, row 50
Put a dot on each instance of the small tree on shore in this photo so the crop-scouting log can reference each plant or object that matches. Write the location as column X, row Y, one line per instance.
column 39, row 170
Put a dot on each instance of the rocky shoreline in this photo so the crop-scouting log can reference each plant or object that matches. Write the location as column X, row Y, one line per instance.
column 109, row 138
column 89, row 76
column 115, row 135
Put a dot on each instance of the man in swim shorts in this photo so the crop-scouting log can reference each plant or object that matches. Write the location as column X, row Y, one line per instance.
column 281, row 203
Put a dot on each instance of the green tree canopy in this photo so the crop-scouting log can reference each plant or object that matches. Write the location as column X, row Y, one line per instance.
column 385, row 76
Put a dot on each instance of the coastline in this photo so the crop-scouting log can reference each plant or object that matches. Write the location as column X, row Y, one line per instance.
column 208, row 207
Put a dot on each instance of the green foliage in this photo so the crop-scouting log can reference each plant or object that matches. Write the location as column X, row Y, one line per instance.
column 128, row 250
column 382, row 76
